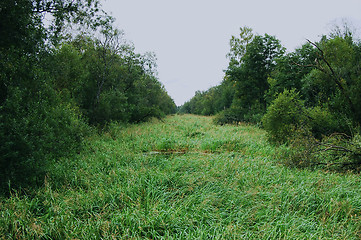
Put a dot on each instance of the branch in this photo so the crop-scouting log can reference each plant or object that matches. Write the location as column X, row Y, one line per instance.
column 335, row 148
column 333, row 74
column 340, row 134
column 332, row 147
column 322, row 56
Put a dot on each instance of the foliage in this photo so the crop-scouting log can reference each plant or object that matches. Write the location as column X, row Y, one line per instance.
column 323, row 122
column 33, row 132
column 51, row 83
column 251, row 76
column 227, row 116
column 312, row 92
column 252, row 59
column 210, row 102
column 287, row 117
column 114, row 83
column 290, row 70
column 36, row 125
column 335, row 79
column 238, row 46
column 284, row 116
column 240, row 97
column 336, row 152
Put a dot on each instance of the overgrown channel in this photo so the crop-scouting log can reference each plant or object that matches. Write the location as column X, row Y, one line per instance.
column 184, row 178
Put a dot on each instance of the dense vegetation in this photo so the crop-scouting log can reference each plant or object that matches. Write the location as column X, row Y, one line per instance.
column 308, row 98
column 55, row 85
column 183, row 178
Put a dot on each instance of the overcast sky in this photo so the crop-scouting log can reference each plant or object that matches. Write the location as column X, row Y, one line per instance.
column 191, row 37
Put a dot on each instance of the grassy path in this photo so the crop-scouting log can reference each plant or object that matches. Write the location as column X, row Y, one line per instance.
column 184, row 178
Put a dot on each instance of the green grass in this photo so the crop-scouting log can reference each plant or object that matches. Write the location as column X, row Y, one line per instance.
column 183, row 178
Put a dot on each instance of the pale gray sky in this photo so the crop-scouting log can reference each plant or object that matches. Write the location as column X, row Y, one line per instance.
column 191, row 37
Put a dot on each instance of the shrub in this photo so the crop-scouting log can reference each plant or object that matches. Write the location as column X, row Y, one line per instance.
column 35, row 127
column 112, row 106
column 227, row 116
column 298, row 152
column 323, row 122
column 253, row 114
column 337, row 151
column 284, row 116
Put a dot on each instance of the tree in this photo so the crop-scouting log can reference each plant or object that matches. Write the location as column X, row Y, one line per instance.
column 251, row 76
column 115, row 83
column 335, row 79
column 35, row 124
column 238, row 46
column 289, row 71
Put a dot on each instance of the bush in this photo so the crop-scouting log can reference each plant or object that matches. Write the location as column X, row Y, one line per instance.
column 35, row 128
column 337, row 151
column 254, row 114
column 298, row 152
column 314, row 137
column 323, row 123
column 284, row 116
column 112, row 106
column 227, row 116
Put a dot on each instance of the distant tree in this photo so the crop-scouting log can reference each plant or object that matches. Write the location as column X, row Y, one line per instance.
column 289, row 71
column 242, row 92
column 238, row 45
column 251, row 76
column 116, row 84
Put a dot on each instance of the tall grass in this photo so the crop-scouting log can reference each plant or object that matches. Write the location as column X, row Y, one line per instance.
column 183, row 178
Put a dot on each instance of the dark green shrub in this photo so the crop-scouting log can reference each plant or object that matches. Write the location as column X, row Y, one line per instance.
column 254, row 114
column 337, row 152
column 34, row 129
column 323, row 123
column 227, row 116
column 284, row 116
column 112, row 106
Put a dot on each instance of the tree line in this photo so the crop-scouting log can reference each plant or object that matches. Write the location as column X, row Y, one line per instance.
column 65, row 69
column 308, row 99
